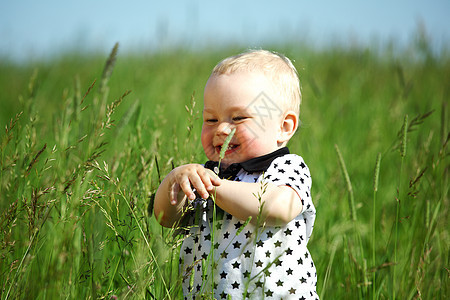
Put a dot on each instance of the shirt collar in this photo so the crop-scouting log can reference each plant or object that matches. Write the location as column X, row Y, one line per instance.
column 257, row 164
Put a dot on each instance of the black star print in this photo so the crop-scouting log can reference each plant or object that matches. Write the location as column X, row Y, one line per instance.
column 259, row 243
column 202, row 227
column 198, row 287
column 224, row 254
column 306, row 254
column 267, row 273
column 237, row 245
column 259, row 263
column 278, row 262
column 196, row 239
column 288, row 231
column 288, row 251
column 297, row 172
column 199, row 247
column 229, row 217
column 247, row 254
column 292, row 291
column 267, row 253
column 287, row 162
column 302, row 298
column 246, row 274
column 223, row 275
column 277, row 244
column 188, row 250
column 204, row 256
column 302, row 180
column 292, row 178
column 198, row 267
column 237, row 225
column 289, row 271
column 219, row 225
column 259, row 284
column 226, row 235
column 279, row 283
column 300, row 261
column 276, row 179
column 269, row 234
column 297, row 224
column 302, row 280
column 275, row 166
column 208, row 237
column 248, row 234
column 255, row 179
column 281, row 171
column 223, row 295
column 236, row 265
column 216, row 246
column 302, row 165
column 309, row 274
column 269, row 293
column 235, row 285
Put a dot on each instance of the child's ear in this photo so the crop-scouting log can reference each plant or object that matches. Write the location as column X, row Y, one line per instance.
column 288, row 127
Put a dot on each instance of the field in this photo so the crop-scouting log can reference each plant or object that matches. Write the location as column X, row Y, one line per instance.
column 88, row 138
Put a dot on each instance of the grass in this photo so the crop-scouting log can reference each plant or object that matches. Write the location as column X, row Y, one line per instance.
column 82, row 155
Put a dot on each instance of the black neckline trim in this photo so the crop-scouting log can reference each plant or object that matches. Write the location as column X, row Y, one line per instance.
column 257, row 164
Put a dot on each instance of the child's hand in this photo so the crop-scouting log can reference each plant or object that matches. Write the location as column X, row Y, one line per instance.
column 189, row 177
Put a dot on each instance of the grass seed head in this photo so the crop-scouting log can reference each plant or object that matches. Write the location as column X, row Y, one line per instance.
column 225, row 144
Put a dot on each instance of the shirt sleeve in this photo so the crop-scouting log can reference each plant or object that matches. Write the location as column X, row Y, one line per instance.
column 291, row 170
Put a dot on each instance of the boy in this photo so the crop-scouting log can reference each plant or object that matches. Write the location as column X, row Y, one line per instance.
column 257, row 94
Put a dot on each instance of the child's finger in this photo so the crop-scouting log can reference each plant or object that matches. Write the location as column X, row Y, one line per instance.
column 207, row 181
column 213, row 178
column 185, row 185
column 216, row 181
column 199, row 185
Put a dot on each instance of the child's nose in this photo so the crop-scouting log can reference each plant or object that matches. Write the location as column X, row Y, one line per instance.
column 224, row 128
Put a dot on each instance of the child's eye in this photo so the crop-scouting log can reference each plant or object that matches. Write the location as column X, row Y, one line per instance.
column 239, row 118
column 211, row 120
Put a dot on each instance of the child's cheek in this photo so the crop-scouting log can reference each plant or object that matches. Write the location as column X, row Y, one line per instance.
column 206, row 138
column 247, row 139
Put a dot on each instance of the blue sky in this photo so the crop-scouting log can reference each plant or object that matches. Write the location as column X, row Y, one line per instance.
column 30, row 28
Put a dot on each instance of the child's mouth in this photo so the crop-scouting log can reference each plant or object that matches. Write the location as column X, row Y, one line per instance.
column 231, row 148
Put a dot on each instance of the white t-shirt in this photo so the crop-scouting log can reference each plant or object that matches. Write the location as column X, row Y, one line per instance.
column 269, row 262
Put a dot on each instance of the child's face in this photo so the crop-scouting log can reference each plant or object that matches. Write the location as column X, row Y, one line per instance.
column 235, row 101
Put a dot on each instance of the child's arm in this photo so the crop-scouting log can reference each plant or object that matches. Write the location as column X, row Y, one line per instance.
column 170, row 198
column 281, row 203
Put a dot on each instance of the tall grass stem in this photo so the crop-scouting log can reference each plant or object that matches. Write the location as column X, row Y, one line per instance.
column 374, row 219
column 403, row 139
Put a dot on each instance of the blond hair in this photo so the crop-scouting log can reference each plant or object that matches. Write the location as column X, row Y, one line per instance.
column 275, row 66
